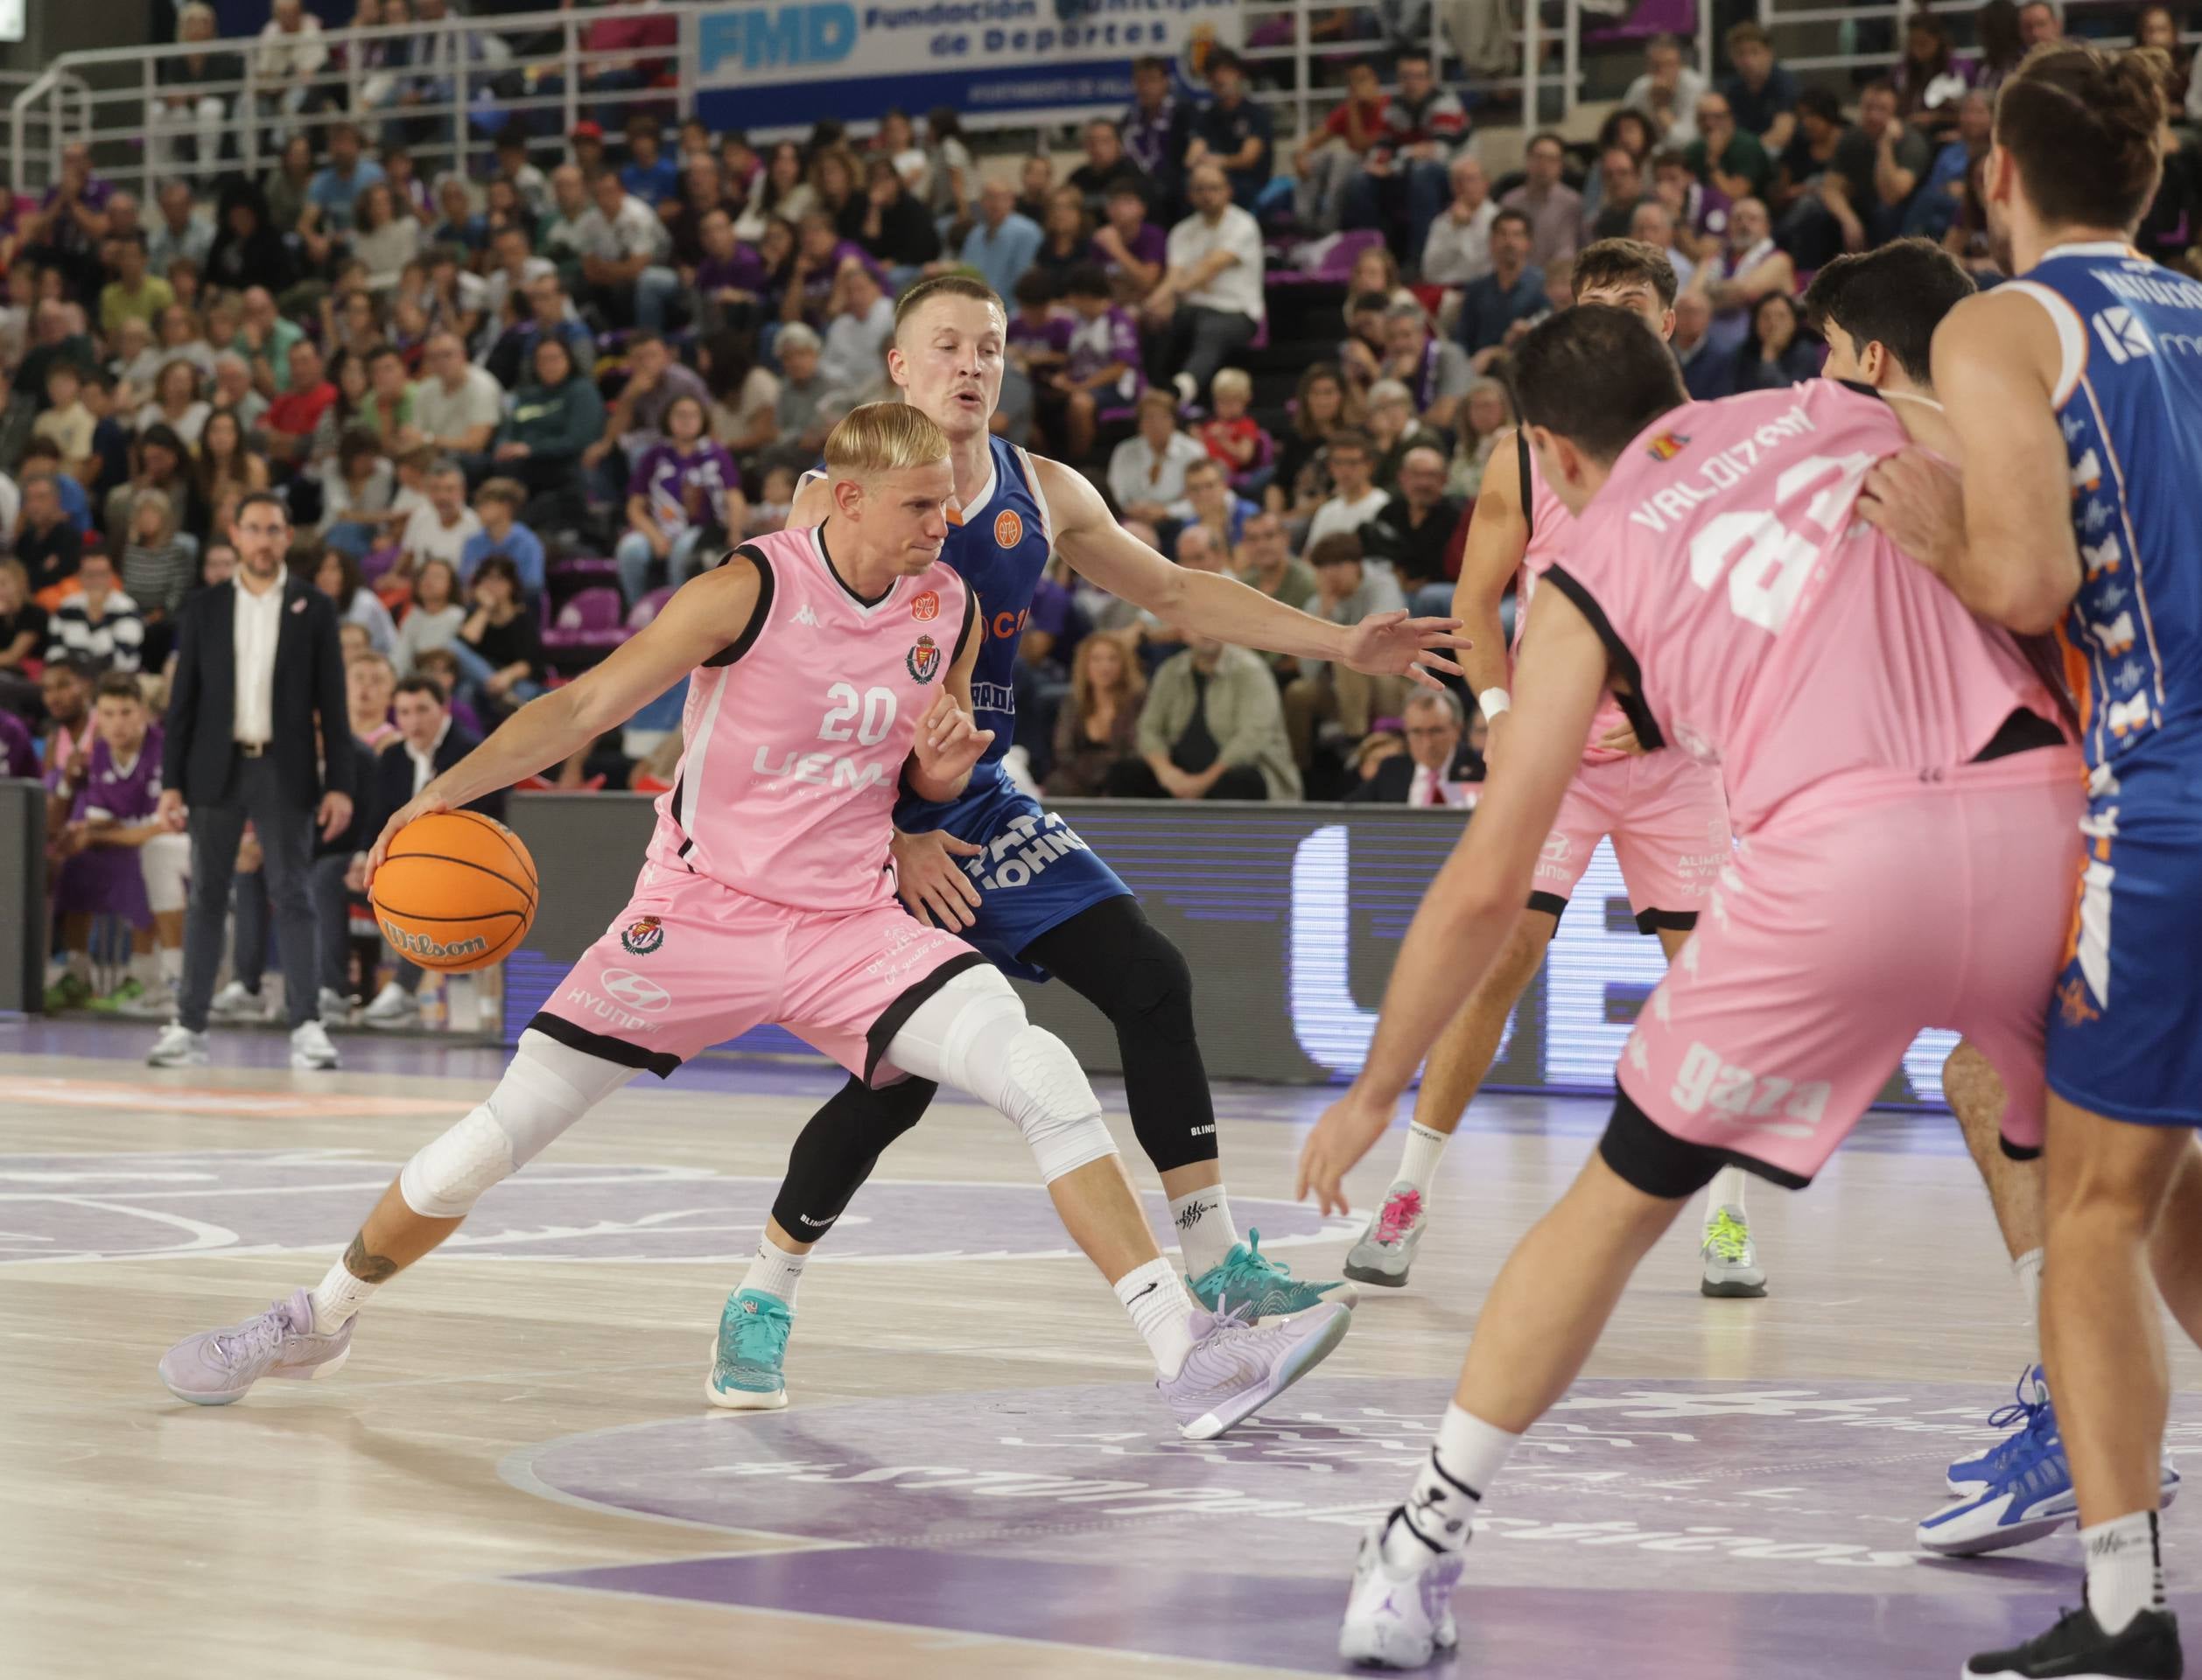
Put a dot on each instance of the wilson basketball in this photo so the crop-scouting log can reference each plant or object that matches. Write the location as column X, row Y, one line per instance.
column 456, row 893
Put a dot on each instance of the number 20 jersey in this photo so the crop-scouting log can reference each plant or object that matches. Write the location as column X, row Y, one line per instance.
column 1765, row 628
column 794, row 737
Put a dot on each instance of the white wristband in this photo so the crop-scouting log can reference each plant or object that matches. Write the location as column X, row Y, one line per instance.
column 1493, row 702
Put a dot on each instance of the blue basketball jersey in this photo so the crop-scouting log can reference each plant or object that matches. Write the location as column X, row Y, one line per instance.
column 1000, row 546
column 2129, row 401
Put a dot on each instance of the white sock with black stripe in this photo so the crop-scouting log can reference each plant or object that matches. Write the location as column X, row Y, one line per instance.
column 1439, row 1515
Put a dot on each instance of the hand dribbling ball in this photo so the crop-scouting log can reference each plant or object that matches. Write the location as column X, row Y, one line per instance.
column 455, row 892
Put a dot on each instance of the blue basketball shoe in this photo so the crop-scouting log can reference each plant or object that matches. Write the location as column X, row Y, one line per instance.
column 1258, row 1287
column 2028, row 1412
column 2028, row 1495
column 751, row 1347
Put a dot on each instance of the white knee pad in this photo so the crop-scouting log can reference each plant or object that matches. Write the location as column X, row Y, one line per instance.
column 972, row 1034
column 165, row 860
column 547, row 1088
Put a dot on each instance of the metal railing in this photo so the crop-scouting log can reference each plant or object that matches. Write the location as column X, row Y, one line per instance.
column 1868, row 34
column 476, row 80
column 445, row 108
column 1530, row 34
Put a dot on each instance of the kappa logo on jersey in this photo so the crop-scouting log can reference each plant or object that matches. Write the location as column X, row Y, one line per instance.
column 804, row 615
column 2073, row 1003
column 1667, row 445
column 2123, row 336
column 2086, row 473
column 2128, row 716
column 1009, row 530
column 925, row 608
column 643, row 935
column 2116, row 637
column 923, row 659
column 2101, row 557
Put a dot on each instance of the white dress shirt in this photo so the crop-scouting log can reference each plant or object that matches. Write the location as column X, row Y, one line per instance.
column 258, row 621
column 424, row 762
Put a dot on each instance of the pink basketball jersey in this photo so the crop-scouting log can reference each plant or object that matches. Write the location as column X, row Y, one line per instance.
column 1766, row 628
column 1551, row 532
column 794, row 736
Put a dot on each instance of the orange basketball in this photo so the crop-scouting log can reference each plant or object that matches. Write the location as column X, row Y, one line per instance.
column 456, row 893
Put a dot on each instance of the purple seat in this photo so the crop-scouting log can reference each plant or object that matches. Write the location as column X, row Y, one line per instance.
column 591, row 618
column 566, row 578
column 374, row 562
column 1675, row 18
column 648, row 608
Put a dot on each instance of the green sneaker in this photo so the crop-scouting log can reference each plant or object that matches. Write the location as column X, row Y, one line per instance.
column 70, row 991
column 1249, row 1285
column 121, row 997
column 746, row 1359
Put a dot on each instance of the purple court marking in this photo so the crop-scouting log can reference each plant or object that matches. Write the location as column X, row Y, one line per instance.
column 1704, row 1527
column 1784, row 1486
column 1587, row 1632
column 80, row 1207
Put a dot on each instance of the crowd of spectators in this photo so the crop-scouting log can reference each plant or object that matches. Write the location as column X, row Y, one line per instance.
column 501, row 404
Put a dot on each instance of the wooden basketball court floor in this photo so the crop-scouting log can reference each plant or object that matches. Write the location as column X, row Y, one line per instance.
column 516, row 1475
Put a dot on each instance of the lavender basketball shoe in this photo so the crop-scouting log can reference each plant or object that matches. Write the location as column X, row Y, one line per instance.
column 1237, row 1368
column 216, row 1366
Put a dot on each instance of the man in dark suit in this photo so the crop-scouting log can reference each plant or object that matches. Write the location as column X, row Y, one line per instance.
column 256, row 711
column 428, row 743
column 1437, row 764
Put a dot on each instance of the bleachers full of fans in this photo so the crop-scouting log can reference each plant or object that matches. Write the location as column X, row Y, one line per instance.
column 511, row 407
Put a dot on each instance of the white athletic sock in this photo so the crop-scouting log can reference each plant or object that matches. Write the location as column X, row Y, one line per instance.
column 1161, row 1311
column 1727, row 1192
column 1418, row 1162
column 337, row 1297
column 168, row 963
column 775, row 1271
column 142, row 970
column 1439, row 1515
column 1205, row 1230
column 81, row 965
column 2028, row 1270
column 2125, row 1569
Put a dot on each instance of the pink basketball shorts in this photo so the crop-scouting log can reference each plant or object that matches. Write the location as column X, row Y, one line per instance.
column 691, row 962
column 1867, row 908
column 1668, row 821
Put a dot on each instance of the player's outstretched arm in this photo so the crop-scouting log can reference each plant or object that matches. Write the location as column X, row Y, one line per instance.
column 1498, row 538
column 1471, row 907
column 949, row 744
column 704, row 617
column 2001, row 536
column 1209, row 603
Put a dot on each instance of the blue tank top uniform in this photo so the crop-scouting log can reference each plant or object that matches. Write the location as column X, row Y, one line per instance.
column 2125, row 1031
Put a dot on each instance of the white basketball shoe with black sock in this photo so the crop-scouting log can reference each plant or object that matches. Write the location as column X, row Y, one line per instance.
column 1400, row 1608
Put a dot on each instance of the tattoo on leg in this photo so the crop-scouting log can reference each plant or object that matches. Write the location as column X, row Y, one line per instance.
column 368, row 1268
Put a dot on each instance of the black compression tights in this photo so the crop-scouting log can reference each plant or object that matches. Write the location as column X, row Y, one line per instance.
column 1116, row 959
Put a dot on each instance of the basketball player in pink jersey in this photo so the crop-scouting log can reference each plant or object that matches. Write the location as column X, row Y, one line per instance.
column 828, row 666
column 1901, row 782
column 1664, row 812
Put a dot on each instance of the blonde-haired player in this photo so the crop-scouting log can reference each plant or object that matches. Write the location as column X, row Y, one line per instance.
column 1011, row 875
column 827, row 667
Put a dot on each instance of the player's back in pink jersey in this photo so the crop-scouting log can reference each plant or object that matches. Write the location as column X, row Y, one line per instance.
column 1551, row 534
column 1764, row 627
column 794, row 736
